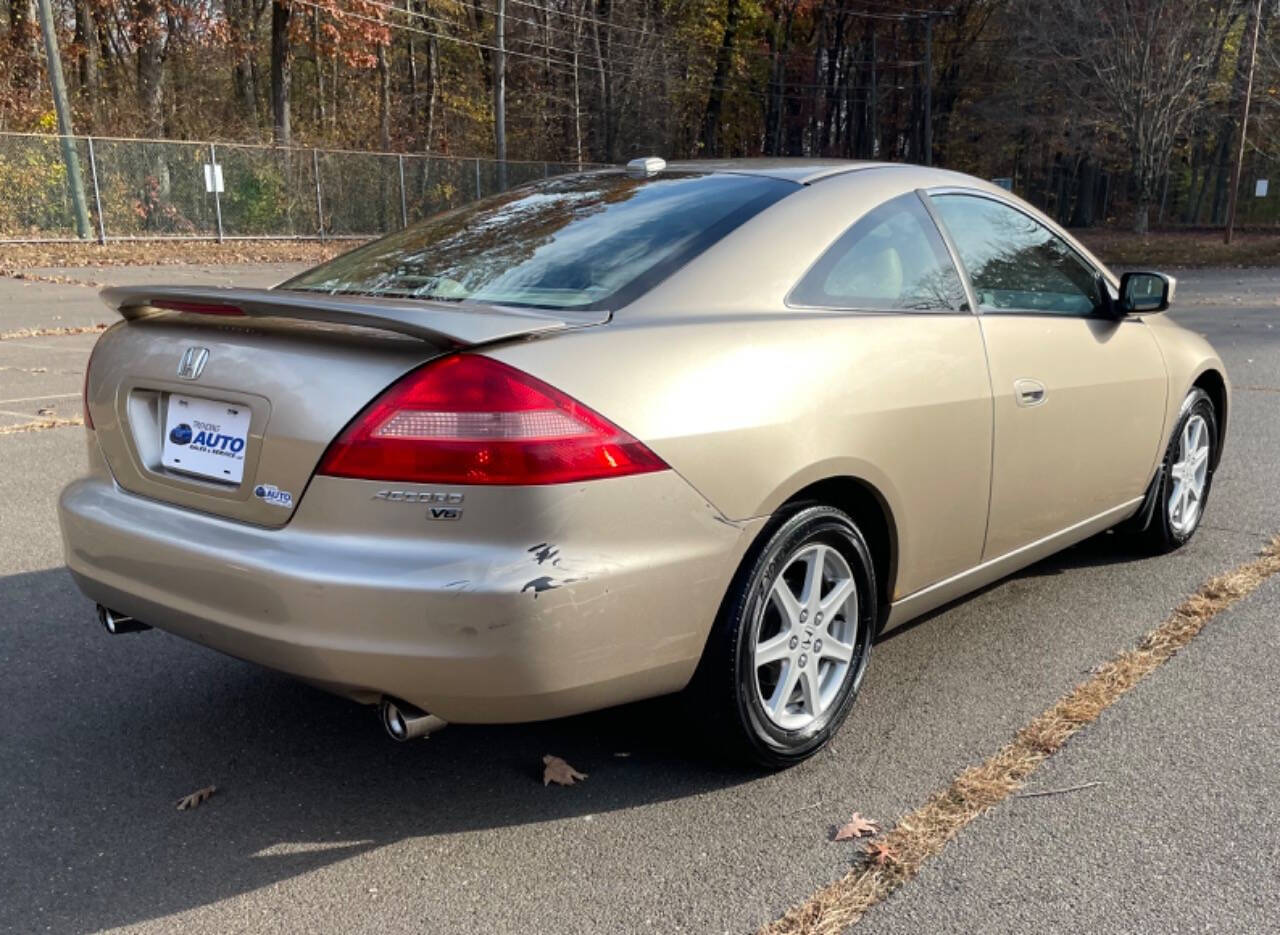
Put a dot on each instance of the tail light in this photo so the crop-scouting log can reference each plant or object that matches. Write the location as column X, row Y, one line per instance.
column 468, row 419
column 198, row 308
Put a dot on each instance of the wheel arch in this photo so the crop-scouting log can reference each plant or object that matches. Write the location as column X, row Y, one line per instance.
column 1214, row 383
column 871, row 510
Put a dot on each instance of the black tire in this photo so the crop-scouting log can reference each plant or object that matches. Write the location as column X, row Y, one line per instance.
column 725, row 691
column 1161, row 534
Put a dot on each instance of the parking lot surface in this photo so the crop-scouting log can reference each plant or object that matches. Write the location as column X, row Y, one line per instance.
column 322, row 824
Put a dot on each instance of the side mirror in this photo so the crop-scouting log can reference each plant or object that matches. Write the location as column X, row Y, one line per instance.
column 1144, row 292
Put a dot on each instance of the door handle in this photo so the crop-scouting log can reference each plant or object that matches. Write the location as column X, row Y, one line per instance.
column 1029, row 392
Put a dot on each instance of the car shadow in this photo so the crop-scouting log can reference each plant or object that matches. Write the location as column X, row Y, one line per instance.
column 102, row 735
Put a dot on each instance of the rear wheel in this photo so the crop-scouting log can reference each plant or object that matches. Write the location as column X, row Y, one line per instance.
column 789, row 649
column 1186, row 476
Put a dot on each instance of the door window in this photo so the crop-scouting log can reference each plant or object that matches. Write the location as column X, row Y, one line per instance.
column 1015, row 263
column 892, row 259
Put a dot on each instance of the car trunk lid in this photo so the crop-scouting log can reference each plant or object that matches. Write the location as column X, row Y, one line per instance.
column 224, row 400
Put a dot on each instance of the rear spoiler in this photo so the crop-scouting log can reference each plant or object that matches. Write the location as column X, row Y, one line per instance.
column 438, row 322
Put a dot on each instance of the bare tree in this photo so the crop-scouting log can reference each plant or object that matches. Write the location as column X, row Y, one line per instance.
column 1142, row 66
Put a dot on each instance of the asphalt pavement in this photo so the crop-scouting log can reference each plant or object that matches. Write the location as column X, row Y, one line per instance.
column 322, row 824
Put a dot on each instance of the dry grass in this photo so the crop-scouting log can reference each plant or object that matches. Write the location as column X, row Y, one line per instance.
column 17, row 259
column 41, row 425
column 22, row 333
column 1115, row 247
column 925, row 832
column 1182, row 248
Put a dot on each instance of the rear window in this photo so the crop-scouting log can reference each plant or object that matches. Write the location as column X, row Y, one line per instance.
column 584, row 242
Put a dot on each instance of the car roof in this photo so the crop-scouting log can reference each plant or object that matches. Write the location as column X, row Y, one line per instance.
column 802, row 171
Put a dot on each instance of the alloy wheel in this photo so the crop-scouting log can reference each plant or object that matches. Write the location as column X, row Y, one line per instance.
column 804, row 636
column 1190, row 474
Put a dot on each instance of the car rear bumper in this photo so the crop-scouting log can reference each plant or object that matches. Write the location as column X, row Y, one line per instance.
column 537, row 603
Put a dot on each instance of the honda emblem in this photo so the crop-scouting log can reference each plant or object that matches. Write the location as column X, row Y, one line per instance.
column 192, row 364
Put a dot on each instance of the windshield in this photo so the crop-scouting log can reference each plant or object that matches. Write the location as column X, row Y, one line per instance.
column 592, row 241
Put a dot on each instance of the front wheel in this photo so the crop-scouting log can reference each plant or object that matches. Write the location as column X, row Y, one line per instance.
column 790, row 646
column 1186, row 475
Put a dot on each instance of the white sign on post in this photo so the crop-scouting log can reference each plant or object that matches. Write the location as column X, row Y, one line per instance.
column 213, row 177
column 1260, row 189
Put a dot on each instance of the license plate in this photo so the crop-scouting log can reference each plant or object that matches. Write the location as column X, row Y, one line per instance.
column 206, row 438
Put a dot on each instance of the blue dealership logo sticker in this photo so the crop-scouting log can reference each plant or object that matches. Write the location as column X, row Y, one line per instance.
column 216, row 443
column 181, row 434
column 269, row 493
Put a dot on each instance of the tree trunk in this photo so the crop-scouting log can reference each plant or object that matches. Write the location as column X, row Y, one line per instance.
column 24, row 37
column 385, row 209
column 604, row 135
column 724, row 59
column 384, row 99
column 411, row 73
column 771, row 103
column 433, row 53
column 1143, row 193
column 319, row 63
column 873, row 98
column 1086, row 194
column 109, row 64
column 86, row 39
column 577, row 109
column 500, row 91
column 433, row 89
column 335, row 73
column 242, row 20
column 151, row 51
column 281, row 68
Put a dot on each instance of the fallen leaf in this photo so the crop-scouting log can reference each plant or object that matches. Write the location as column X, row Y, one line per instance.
column 857, row 827
column 559, row 772
column 195, row 798
column 882, row 854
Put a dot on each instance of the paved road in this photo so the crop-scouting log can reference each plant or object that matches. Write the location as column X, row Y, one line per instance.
column 321, row 824
column 1183, row 835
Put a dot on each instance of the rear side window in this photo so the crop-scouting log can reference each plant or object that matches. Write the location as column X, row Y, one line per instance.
column 893, row 259
column 592, row 241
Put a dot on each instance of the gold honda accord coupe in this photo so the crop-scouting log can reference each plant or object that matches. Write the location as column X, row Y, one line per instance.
column 701, row 427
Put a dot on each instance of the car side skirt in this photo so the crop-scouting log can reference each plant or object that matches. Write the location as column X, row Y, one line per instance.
column 927, row 599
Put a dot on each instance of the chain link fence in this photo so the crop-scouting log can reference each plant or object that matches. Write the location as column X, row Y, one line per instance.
column 150, row 189
column 1189, row 196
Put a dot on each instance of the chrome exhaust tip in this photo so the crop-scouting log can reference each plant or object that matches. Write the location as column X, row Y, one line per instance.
column 402, row 721
column 116, row 623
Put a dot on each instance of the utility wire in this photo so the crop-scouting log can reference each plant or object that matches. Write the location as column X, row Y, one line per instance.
column 637, row 77
column 614, row 44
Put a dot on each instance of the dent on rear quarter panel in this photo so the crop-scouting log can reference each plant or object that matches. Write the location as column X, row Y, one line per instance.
column 544, row 545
